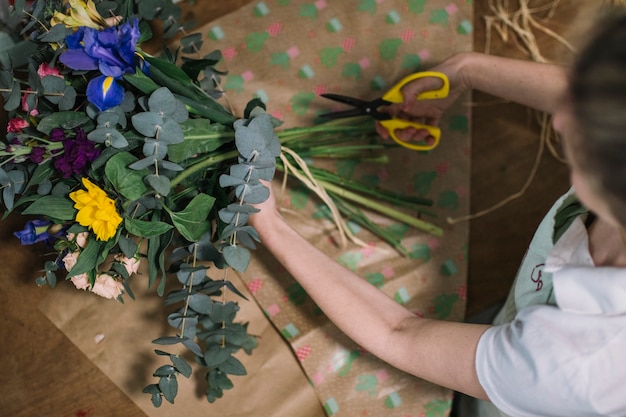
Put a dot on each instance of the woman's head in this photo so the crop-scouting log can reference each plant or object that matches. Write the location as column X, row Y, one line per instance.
column 596, row 140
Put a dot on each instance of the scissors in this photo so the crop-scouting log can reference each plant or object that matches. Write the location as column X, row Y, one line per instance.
column 394, row 95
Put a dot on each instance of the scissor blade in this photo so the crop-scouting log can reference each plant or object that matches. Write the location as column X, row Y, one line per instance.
column 342, row 114
column 345, row 99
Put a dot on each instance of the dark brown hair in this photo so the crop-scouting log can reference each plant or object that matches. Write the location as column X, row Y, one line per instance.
column 598, row 98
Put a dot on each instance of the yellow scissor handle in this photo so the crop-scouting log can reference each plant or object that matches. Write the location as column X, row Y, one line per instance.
column 394, row 95
column 392, row 124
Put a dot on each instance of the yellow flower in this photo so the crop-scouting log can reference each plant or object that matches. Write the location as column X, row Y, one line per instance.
column 96, row 210
column 80, row 13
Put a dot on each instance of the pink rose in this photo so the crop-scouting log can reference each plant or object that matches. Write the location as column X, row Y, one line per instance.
column 80, row 239
column 69, row 260
column 33, row 112
column 131, row 264
column 108, row 287
column 16, row 125
column 45, row 69
column 81, row 281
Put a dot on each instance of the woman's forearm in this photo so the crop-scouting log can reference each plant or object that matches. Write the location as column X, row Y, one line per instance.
column 536, row 85
column 438, row 351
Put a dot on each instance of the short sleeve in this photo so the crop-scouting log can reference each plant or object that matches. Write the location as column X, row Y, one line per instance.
column 548, row 362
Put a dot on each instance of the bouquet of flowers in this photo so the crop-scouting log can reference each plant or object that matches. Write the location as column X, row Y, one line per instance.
column 121, row 157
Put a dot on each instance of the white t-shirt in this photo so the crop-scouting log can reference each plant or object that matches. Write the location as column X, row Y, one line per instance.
column 567, row 359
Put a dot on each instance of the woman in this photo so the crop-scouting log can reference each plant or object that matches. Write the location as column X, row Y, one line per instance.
column 554, row 350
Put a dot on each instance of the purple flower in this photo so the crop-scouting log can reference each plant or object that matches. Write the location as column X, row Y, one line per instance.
column 111, row 51
column 34, row 231
column 78, row 153
column 36, row 154
column 57, row 135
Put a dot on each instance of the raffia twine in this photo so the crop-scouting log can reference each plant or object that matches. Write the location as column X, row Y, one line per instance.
column 519, row 26
column 300, row 169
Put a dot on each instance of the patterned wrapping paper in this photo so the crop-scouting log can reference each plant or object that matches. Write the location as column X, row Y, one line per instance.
column 287, row 52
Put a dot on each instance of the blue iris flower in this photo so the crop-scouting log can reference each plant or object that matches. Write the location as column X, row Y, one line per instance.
column 110, row 51
column 34, row 231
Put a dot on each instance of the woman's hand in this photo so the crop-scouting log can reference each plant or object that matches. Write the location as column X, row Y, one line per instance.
column 428, row 111
column 268, row 212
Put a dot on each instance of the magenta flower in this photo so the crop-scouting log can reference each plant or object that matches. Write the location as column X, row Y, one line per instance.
column 16, row 125
column 78, row 153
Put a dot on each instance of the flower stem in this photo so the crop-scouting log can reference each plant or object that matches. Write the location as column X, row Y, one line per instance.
column 203, row 164
column 387, row 211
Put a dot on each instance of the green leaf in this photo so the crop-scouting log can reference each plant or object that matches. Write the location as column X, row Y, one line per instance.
column 201, row 303
column 41, row 173
column 215, row 355
column 193, row 222
column 219, row 379
column 141, row 82
column 201, row 137
column 169, row 387
column 55, row 34
column 146, row 229
column 233, row 366
column 162, row 101
column 12, row 102
column 66, row 119
column 58, row 208
column 159, row 183
column 126, row 181
column 168, row 340
column 53, row 88
column 237, row 257
column 181, row 365
column 147, row 123
column 88, row 258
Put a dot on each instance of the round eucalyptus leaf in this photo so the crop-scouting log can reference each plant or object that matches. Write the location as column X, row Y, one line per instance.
column 142, row 163
column 170, row 132
column 252, row 193
column 201, row 303
column 237, row 257
column 165, row 370
column 180, row 113
column 44, row 187
column 157, row 400
column 147, row 123
column 169, row 387
column 215, row 355
column 159, row 183
column 230, row 181
column 18, row 179
column 162, row 101
column 181, row 365
column 108, row 119
column 12, row 101
column 241, row 171
column 53, row 88
column 170, row 166
column 69, row 99
column 128, row 104
column 233, row 366
column 191, row 277
column 108, row 136
column 154, row 148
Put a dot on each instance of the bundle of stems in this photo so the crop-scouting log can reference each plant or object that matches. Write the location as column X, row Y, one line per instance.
column 350, row 139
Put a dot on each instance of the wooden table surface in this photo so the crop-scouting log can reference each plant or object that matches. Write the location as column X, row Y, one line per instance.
column 43, row 373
